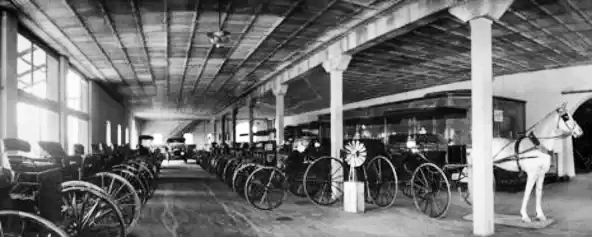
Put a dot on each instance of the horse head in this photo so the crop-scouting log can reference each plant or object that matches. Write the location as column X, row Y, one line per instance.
column 566, row 124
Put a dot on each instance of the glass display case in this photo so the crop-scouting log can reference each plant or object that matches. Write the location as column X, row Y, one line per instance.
column 430, row 114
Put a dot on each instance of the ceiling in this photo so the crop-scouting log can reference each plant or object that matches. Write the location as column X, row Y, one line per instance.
column 160, row 56
column 166, row 62
column 532, row 35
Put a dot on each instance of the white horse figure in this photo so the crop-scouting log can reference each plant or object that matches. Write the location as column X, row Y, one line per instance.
column 531, row 154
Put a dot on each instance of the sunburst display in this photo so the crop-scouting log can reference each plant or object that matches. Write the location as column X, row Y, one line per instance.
column 355, row 153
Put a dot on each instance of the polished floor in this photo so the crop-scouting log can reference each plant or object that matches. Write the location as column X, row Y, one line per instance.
column 191, row 202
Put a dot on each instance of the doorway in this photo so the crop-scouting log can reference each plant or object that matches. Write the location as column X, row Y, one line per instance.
column 582, row 146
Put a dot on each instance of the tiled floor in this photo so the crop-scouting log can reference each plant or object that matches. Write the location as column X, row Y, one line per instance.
column 191, row 202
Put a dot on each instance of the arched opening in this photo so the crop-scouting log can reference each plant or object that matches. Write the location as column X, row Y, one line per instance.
column 582, row 146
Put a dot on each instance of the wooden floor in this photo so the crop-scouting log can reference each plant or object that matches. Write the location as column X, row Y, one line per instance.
column 191, row 202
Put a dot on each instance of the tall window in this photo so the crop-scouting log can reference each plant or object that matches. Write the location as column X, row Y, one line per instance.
column 36, row 70
column 119, row 134
column 157, row 138
column 188, row 138
column 127, row 136
column 108, row 135
column 36, row 124
column 76, row 91
column 77, row 133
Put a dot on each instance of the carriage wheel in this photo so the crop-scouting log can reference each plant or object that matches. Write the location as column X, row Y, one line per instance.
column 240, row 177
column 16, row 223
column 264, row 188
column 323, row 181
column 124, row 195
column 295, row 186
column 88, row 212
column 431, row 190
column 228, row 172
column 135, row 181
column 382, row 181
column 148, row 177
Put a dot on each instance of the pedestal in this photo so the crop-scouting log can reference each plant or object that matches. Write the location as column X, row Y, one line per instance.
column 353, row 197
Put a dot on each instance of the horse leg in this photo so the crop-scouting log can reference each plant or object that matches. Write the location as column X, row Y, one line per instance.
column 530, row 181
column 540, row 182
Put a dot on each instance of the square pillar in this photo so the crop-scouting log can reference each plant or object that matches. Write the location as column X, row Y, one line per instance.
column 480, row 14
column 335, row 67
column 64, row 65
column 223, row 129
column 213, row 124
column 482, row 126
column 234, row 114
column 251, row 104
column 279, row 91
column 8, row 74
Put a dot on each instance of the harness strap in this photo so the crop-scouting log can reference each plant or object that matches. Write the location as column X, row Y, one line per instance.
column 517, row 152
column 534, row 140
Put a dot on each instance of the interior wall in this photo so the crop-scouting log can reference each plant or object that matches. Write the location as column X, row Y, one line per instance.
column 104, row 108
column 540, row 89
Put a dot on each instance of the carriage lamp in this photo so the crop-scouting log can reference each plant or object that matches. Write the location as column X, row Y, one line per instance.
column 317, row 144
column 182, row 153
column 300, row 148
column 411, row 144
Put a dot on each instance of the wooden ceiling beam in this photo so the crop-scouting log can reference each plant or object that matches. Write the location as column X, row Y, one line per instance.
column 140, row 28
column 81, row 22
column 289, row 38
column 234, row 46
column 114, row 32
column 273, row 29
column 209, row 53
column 194, row 25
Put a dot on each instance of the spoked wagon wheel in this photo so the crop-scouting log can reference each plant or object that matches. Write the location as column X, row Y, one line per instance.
column 295, row 186
column 88, row 212
column 229, row 171
column 265, row 188
column 240, row 177
column 323, row 181
column 135, row 181
column 430, row 190
column 123, row 193
column 21, row 224
column 383, row 184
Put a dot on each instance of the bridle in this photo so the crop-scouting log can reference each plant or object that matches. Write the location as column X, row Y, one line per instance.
column 564, row 116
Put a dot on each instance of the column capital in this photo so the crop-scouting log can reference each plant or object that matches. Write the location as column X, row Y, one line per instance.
column 279, row 89
column 338, row 63
column 473, row 9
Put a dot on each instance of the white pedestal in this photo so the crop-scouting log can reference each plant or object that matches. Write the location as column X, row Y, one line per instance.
column 353, row 197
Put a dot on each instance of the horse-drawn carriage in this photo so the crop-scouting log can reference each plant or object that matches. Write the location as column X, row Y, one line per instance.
column 57, row 194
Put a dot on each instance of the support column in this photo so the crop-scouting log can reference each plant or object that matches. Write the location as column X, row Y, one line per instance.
column 213, row 124
column 223, row 129
column 251, row 104
column 63, row 64
column 335, row 67
column 279, row 91
column 234, row 135
column 8, row 74
column 479, row 13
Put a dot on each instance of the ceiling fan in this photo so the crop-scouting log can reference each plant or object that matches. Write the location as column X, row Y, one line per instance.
column 221, row 36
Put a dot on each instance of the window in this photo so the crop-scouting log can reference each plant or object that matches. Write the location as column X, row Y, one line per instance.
column 108, row 136
column 77, row 133
column 188, row 138
column 36, row 124
column 76, row 91
column 157, row 138
column 34, row 67
column 119, row 134
column 127, row 136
